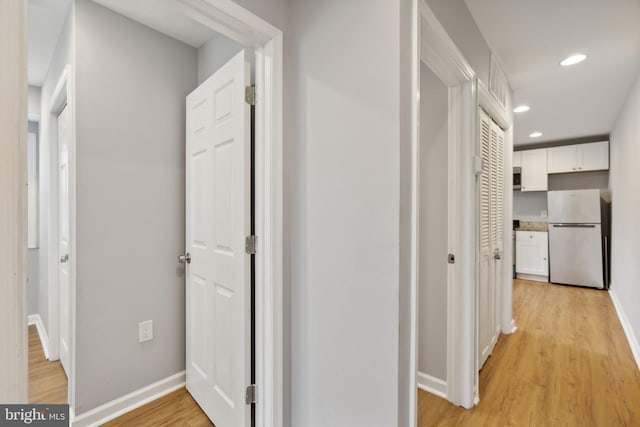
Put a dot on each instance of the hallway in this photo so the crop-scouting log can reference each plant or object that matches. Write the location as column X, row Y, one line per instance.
column 568, row 364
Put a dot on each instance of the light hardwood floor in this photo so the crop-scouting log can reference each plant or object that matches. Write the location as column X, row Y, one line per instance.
column 175, row 409
column 568, row 364
column 47, row 380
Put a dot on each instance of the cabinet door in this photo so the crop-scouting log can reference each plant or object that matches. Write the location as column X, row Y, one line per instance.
column 593, row 156
column 532, row 253
column 562, row 159
column 534, row 170
column 517, row 159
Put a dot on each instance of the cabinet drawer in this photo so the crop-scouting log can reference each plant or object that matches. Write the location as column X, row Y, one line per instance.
column 533, row 236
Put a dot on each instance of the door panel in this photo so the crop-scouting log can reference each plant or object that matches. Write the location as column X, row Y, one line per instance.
column 491, row 229
column 64, row 270
column 485, row 269
column 217, row 222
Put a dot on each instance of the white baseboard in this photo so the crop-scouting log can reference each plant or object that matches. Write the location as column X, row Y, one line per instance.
column 533, row 277
column 432, row 384
column 628, row 330
column 129, row 402
column 35, row 319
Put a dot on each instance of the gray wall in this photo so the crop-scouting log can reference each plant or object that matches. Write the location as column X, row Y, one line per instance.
column 434, row 105
column 463, row 30
column 48, row 161
column 578, row 181
column 625, row 208
column 343, row 142
column 216, row 52
column 131, row 89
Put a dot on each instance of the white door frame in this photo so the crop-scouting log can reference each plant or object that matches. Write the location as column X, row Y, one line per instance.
column 14, row 353
column 63, row 95
column 434, row 47
column 242, row 26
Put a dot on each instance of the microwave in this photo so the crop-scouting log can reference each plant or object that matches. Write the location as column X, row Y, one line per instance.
column 517, row 177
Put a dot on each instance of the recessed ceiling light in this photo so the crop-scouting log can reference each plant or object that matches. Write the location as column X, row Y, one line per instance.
column 521, row 109
column 535, row 135
column 573, row 59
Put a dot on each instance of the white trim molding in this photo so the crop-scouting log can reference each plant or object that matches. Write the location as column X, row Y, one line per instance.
column 35, row 319
column 129, row 402
column 14, row 353
column 440, row 54
column 626, row 326
column 432, row 385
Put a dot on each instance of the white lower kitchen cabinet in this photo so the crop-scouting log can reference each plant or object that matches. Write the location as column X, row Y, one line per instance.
column 532, row 255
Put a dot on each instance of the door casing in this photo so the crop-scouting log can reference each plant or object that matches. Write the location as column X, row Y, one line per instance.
column 432, row 45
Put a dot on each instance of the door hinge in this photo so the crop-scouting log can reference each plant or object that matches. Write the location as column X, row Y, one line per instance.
column 250, row 244
column 250, row 95
column 250, row 394
column 451, row 259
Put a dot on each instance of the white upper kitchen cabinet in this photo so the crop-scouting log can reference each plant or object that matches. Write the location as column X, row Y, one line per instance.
column 534, row 170
column 579, row 158
column 517, row 159
column 593, row 156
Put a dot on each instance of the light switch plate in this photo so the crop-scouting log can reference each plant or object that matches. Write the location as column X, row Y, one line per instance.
column 145, row 331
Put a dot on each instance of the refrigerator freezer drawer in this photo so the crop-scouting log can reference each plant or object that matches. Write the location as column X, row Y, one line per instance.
column 575, row 252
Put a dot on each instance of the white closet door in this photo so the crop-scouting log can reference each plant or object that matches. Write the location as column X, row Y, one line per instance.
column 491, row 234
column 485, row 238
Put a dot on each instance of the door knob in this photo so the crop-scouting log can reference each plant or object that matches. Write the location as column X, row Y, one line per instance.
column 185, row 259
column 64, row 258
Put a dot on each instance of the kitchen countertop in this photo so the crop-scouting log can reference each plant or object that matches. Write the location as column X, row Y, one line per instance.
column 532, row 226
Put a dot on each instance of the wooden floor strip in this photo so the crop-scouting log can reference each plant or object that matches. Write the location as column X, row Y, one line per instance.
column 47, row 380
column 568, row 364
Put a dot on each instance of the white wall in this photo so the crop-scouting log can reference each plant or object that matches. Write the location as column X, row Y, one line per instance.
column 434, row 105
column 62, row 56
column 216, row 52
column 131, row 86
column 625, row 208
column 13, row 199
column 343, row 144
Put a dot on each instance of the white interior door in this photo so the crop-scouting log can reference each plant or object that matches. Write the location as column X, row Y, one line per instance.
column 218, row 292
column 64, row 276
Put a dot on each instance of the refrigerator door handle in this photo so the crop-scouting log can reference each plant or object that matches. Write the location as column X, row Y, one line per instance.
column 574, row 225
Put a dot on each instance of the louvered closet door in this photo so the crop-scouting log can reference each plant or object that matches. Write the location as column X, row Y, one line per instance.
column 491, row 230
column 498, row 227
column 485, row 238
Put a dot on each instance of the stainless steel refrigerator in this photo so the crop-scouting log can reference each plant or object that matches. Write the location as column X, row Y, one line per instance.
column 579, row 237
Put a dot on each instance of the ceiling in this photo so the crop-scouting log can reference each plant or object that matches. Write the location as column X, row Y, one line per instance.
column 47, row 19
column 530, row 38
